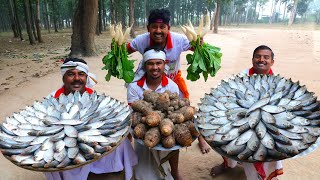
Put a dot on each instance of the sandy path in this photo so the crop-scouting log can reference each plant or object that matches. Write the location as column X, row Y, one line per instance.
column 296, row 56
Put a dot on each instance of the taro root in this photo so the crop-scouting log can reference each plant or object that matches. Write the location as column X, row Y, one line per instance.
column 153, row 119
column 141, row 106
column 182, row 135
column 136, row 118
column 152, row 137
column 192, row 128
column 163, row 102
column 184, row 102
column 150, row 96
column 140, row 130
column 168, row 141
column 188, row 112
column 166, row 127
column 176, row 117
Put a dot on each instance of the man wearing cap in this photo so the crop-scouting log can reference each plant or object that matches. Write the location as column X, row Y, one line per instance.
column 173, row 45
column 76, row 77
column 151, row 77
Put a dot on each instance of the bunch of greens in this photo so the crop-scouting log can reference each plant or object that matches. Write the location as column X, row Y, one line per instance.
column 116, row 61
column 206, row 59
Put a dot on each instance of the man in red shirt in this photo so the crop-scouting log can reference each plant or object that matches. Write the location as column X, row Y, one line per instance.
column 76, row 77
column 262, row 60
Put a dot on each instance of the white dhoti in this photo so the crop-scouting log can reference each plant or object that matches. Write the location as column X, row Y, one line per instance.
column 149, row 162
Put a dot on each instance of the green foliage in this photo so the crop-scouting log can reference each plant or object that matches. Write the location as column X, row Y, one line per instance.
column 302, row 7
column 117, row 63
column 206, row 59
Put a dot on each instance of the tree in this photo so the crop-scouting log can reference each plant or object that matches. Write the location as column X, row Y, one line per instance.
column 17, row 18
column 47, row 15
column 217, row 16
column 273, row 11
column 54, row 16
column 32, row 21
column 40, row 40
column 28, row 21
column 13, row 20
column 84, row 26
column 131, row 18
column 99, row 19
column 293, row 12
column 285, row 2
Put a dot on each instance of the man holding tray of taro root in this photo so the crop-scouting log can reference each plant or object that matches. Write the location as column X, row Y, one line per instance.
column 153, row 164
column 262, row 60
column 76, row 77
column 173, row 44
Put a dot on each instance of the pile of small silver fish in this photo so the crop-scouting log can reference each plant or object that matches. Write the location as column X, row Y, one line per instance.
column 259, row 118
column 64, row 132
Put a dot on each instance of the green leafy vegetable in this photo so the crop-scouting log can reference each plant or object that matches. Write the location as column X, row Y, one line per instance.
column 206, row 59
column 117, row 63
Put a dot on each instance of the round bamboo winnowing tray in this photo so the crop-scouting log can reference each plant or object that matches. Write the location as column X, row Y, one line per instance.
column 70, row 167
column 94, row 120
column 260, row 118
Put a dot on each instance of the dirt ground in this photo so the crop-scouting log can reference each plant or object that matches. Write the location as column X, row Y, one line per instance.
column 29, row 73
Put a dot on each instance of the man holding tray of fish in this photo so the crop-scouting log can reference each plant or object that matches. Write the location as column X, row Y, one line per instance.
column 173, row 44
column 76, row 77
column 152, row 77
column 262, row 60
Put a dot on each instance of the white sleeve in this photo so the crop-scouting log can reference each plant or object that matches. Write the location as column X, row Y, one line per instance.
column 140, row 43
column 185, row 43
column 132, row 94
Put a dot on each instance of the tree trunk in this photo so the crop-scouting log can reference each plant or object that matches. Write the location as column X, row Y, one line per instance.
column 131, row 18
column 32, row 22
column 112, row 12
column 28, row 21
column 54, row 17
column 217, row 17
column 48, row 16
column 84, row 24
column 100, row 16
column 293, row 13
column 40, row 40
column 172, row 11
column 13, row 20
column 273, row 11
column 284, row 10
column 17, row 18
column 145, row 13
column 99, row 19
column 104, row 16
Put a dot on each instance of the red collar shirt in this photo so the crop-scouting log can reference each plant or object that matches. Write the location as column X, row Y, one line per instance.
column 176, row 44
column 250, row 72
column 136, row 89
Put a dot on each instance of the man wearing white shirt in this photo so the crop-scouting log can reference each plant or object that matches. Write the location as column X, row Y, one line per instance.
column 262, row 60
column 152, row 77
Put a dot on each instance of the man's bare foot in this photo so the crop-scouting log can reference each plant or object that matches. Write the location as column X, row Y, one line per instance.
column 217, row 170
column 203, row 145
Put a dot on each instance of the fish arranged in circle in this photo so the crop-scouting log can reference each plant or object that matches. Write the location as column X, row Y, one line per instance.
column 64, row 132
column 259, row 118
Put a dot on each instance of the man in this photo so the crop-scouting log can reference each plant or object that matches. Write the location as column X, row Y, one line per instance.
column 76, row 77
column 173, row 44
column 152, row 77
column 262, row 60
